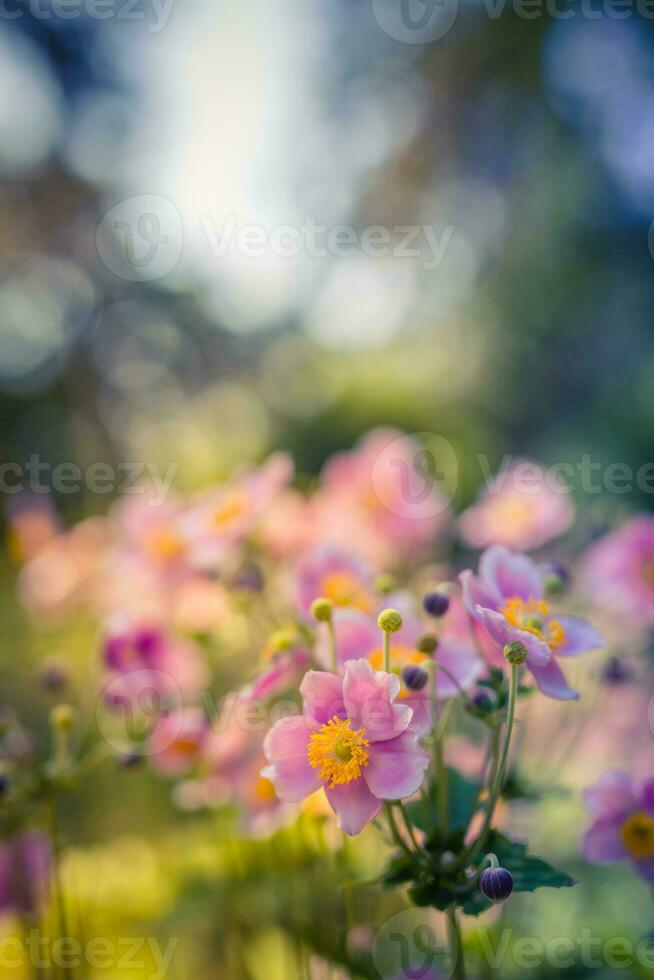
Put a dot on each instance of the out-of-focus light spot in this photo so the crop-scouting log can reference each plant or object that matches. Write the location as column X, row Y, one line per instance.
column 363, row 303
column 29, row 105
column 43, row 305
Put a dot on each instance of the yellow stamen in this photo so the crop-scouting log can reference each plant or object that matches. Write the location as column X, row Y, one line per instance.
column 343, row 589
column 531, row 615
column 264, row 791
column 230, row 509
column 338, row 752
column 164, row 545
column 638, row 835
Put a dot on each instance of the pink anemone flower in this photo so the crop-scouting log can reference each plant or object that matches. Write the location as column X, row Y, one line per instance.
column 623, row 822
column 337, row 575
column 618, row 571
column 521, row 508
column 507, row 598
column 352, row 740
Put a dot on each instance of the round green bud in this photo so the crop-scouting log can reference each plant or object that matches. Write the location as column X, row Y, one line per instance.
column 321, row 609
column 281, row 640
column 427, row 643
column 389, row 620
column 554, row 584
column 384, row 583
column 515, row 653
column 62, row 717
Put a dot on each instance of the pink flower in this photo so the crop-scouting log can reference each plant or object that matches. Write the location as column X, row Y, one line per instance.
column 25, row 864
column 376, row 498
column 283, row 673
column 618, row 571
column 177, row 740
column 521, row 508
column 219, row 520
column 335, row 574
column 358, row 635
column 352, row 739
column 623, row 822
column 507, row 597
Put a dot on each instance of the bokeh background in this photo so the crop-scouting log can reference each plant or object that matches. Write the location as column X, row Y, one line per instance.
column 527, row 142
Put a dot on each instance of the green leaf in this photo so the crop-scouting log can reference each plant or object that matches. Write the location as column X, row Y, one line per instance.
column 529, row 872
column 462, row 796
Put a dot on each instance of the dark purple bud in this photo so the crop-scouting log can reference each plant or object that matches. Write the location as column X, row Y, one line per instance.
column 496, row 884
column 5, row 785
column 617, row 671
column 53, row 676
column 414, row 677
column 249, row 579
column 130, row 761
column 436, row 603
column 482, row 700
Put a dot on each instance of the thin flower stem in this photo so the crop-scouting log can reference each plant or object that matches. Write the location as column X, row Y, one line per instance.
column 409, row 827
column 456, row 943
column 386, row 649
column 331, row 643
column 440, row 776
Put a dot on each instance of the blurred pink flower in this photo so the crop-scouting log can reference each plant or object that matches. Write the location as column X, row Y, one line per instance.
column 334, row 574
column 507, row 598
column 367, row 499
column 623, row 822
column 352, row 739
column 25, row 865
column 177, row 741
column 618, row 572
column 522, row 508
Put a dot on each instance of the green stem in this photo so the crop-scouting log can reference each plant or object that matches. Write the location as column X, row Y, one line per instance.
column 459, row 967
column 440, row 776
column 386, row 649
column 331, row 643
column 499, row 774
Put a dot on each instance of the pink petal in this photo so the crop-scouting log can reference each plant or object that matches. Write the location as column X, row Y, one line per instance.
column 396, row 767
column 354, row 805
column 611, row 796
column 322, row 696
column 461, row 661
column 552, row 682
column 422, row 719
column 602, row 843
column 510, row 574
column 356, row 636
column 368, row 698
column 500, row 631
column 285, row 747
column 477, row 593
column 579, row 637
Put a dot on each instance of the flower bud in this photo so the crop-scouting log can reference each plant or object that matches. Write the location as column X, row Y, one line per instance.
column 515, row 653
column 427, row 643
column 321, row 609
column 617, row 671
column 496, row 884
column 384, row 583
column 5, row 785
column 556, row 579
column 53, row 675
column 436, row 603
column 282, row 640
column 62, row 717
column 390, row 621
column 414, row 677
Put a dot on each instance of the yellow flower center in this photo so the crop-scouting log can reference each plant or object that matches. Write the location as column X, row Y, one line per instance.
column 638, row 835
column 229, row 510
column 164, row 545
column 338, row 752
column 531, row 615
column 185, row 745
column 343, row 589
column 516, row 511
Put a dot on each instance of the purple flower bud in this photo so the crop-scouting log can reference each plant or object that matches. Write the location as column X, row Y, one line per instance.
column 414, row 677
column 249, row 578
column 436, row 603
column 5, row 785
column 617, row 671
column 496, row 884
